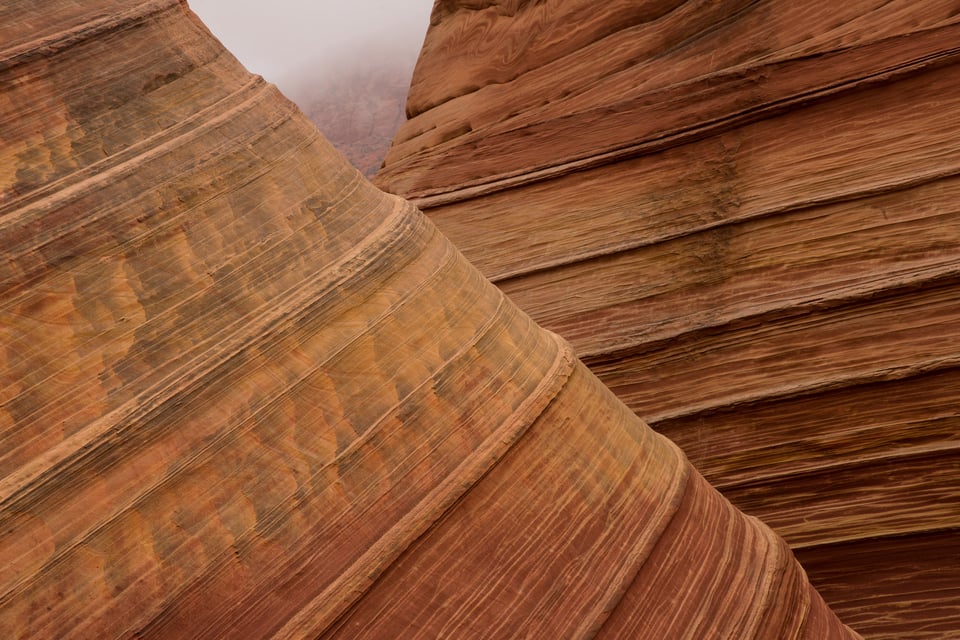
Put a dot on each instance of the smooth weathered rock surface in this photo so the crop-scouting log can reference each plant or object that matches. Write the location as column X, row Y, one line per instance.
column 246, row 394
column 744, row 216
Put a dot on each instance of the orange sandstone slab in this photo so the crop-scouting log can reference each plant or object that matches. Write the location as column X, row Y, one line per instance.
column 743, row 216
column 246, row 394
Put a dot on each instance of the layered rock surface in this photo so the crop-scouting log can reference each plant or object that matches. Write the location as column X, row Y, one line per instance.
column 744, row 216
column 246, row 394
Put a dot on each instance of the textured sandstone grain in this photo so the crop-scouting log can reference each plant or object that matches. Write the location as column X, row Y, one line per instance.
column 246, row 394
column 744, row 217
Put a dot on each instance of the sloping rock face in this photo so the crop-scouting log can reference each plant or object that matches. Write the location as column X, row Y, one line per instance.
column 246, row 394
column 744, row 216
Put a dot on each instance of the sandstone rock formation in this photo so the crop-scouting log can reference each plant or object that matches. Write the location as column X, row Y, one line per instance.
column 246, row 394
column 744, row 216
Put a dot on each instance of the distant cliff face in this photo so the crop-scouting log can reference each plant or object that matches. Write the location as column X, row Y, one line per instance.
column 359, row 109
column 744, row 216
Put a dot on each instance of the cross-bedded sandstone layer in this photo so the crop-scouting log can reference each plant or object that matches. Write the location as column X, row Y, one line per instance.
column 744, row 216
column 246, row 394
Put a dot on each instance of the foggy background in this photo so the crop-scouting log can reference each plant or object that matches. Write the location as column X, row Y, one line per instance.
column 346, row 63
column 284, row 40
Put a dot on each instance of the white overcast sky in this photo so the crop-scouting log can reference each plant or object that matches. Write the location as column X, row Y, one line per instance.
column 280, row 39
